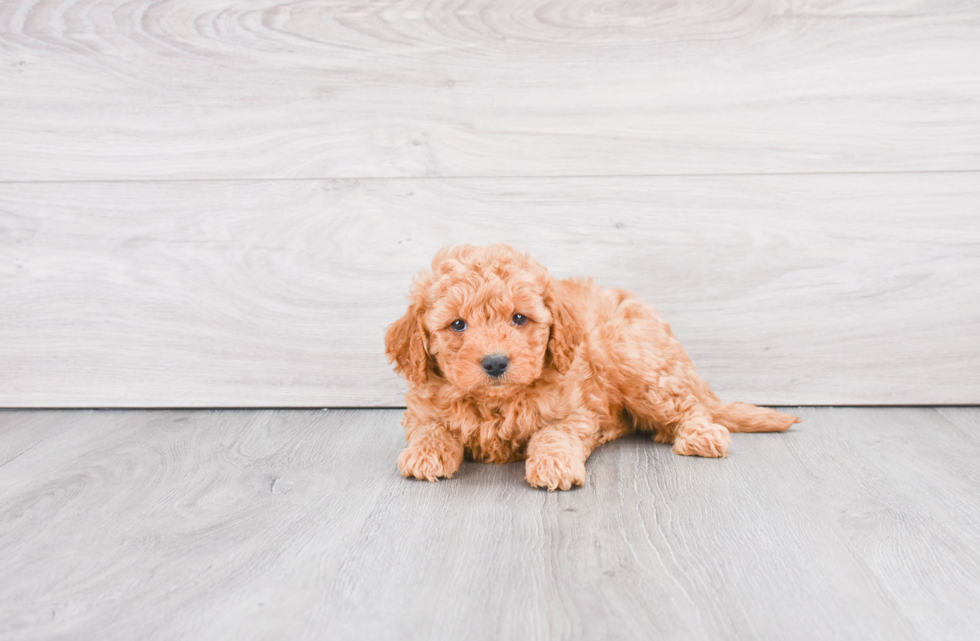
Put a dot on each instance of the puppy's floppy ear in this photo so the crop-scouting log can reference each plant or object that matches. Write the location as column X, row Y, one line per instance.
column 405, row 345
column 561, row 344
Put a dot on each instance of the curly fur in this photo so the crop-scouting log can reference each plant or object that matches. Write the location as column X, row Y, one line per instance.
column 591, row 364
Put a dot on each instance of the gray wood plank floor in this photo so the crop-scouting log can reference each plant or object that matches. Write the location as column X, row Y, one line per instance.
column 859, row 523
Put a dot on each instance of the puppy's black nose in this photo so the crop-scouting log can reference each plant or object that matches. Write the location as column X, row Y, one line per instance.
column 495, row 364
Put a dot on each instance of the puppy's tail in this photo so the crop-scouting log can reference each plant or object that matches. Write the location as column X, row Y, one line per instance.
column 742, row 417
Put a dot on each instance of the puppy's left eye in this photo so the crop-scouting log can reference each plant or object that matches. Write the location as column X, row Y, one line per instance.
column 458, row 325
column 519, row 319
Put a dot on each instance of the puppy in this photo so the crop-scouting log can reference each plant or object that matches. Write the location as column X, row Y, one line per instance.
column 505, row 363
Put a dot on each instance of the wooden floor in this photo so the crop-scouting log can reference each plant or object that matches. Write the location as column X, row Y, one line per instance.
column 859, row 523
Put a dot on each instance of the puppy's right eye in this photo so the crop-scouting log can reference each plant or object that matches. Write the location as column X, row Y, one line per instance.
column 458, row 325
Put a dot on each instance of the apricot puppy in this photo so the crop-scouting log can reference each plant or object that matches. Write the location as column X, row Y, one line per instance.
column 505, row 362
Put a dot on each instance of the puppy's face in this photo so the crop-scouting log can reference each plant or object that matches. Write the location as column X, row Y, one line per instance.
column 483, row 318
column 488, row 334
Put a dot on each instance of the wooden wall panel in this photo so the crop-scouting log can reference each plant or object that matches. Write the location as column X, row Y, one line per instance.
column 222, row 202
column 814, row 289
column 110, row 90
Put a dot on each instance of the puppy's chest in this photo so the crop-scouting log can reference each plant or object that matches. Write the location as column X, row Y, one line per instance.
column 498, row 434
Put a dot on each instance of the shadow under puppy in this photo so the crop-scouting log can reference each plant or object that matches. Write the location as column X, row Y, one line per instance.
column 506, row 362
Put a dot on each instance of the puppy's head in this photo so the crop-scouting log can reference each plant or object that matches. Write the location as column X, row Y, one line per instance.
column 485, row 319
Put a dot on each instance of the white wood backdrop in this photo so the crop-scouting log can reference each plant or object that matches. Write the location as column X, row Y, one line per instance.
column 209, row 203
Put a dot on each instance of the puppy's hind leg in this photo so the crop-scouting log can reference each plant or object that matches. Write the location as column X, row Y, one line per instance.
column 698, row 436
column 680, row 418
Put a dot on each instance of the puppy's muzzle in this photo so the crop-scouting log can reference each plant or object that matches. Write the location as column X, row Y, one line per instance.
column 495, row 365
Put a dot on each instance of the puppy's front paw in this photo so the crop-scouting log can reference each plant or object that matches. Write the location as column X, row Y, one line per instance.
column 430, row 461
column 711, row 442
column 555, row 472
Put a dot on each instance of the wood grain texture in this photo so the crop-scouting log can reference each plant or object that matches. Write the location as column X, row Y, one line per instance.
column 149, row 89
column 860, row 523
column 883, row 462
column 784, row 289
column 22, row 431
